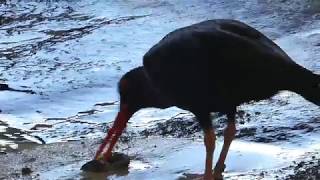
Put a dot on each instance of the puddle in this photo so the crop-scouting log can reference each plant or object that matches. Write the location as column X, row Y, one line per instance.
column 185, row 157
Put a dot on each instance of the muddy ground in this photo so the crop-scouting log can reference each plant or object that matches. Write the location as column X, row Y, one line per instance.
column 179, row 138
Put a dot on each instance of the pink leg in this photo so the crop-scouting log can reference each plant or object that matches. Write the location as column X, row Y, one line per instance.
column 209, row 141
column 229, row 135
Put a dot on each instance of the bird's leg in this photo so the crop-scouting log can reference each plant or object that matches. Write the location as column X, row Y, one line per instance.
column 229, row 134
column 209, row 141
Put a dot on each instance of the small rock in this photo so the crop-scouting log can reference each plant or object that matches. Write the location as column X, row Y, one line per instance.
column 30, row 160
column 241, row 113
column 4, row 87
column 247, row 132
column 39, row 126
column 257, row 113
column 26, row 171
column 301, row 126
column 117, row 161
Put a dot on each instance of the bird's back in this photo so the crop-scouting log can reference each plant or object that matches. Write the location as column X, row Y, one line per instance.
column 220, row 63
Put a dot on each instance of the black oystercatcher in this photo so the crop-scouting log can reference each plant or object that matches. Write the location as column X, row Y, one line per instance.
column 212, row 66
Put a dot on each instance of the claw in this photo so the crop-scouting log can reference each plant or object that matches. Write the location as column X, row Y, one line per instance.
column 218, row 172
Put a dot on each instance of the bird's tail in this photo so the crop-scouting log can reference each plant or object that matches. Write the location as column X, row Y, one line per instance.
column 310, row 88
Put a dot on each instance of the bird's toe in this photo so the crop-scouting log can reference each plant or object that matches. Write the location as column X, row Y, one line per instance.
column 218, row 176
column 218, row 170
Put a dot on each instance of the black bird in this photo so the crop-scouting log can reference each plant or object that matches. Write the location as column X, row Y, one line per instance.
column 212, row 66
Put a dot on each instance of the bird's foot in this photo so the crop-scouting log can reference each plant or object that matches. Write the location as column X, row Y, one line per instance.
column 218, row 170
column 208, row 176
column 218, row 176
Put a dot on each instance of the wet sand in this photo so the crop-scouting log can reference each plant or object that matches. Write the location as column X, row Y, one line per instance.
column 168, row 156
column 63, row 161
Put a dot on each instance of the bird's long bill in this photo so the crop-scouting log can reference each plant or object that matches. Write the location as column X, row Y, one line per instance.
column 114, row 133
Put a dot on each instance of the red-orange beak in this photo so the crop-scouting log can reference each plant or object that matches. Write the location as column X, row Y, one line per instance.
column 114, row 133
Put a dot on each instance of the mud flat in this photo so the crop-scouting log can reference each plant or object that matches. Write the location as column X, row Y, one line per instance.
column 165, row 154
column 154, row 159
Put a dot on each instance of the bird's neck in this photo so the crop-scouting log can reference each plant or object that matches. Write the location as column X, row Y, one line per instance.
column 157, row 99
column 154, row 97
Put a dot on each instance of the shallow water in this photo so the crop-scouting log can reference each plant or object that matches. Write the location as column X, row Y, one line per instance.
column 73, row 53
column 172, row 160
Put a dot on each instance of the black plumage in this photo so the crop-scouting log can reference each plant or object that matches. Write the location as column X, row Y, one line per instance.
column 212, row 66
column 216, row 65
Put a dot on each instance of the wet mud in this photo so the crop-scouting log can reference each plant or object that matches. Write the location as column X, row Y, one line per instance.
column 189, row 127
column 306, row 169
column 152, row 146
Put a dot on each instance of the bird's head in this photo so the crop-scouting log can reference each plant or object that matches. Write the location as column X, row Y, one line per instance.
column 132, row 89
column 136, row 92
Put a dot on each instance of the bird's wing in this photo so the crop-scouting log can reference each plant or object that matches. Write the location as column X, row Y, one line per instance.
column 236, row 48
